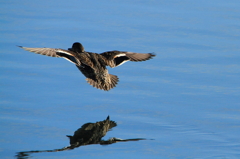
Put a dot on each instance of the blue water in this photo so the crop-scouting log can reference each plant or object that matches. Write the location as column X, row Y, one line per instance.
column 186, row 99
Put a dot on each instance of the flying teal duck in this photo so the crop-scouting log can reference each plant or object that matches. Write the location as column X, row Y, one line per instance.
column 93, row 65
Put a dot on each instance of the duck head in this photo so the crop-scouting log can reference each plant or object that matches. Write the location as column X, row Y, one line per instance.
column 77, row 47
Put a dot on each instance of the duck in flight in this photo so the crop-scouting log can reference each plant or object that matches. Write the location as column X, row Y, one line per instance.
column 93, row 65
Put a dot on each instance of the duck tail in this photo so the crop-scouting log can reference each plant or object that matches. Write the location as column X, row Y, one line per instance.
column 107, row 85
column 114, row 80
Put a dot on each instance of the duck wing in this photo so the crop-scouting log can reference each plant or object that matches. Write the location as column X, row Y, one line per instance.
column 117, row 58
column 43, row 51
column 68, row 55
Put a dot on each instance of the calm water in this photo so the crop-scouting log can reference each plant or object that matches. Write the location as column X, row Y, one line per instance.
column 186, row 99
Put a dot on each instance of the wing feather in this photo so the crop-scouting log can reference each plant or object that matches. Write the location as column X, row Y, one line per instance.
column 43, row 51
column 117, row 58
column 139, row 56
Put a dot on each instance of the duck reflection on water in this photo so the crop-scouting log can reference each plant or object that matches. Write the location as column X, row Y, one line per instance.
column 89, row 133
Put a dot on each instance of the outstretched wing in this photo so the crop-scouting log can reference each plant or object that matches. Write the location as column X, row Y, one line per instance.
column 68, row 55
column 43, row 51
column 117, row 58
column 139, row 56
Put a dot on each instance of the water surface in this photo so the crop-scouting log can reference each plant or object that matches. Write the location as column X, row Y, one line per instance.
column 186, row 98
